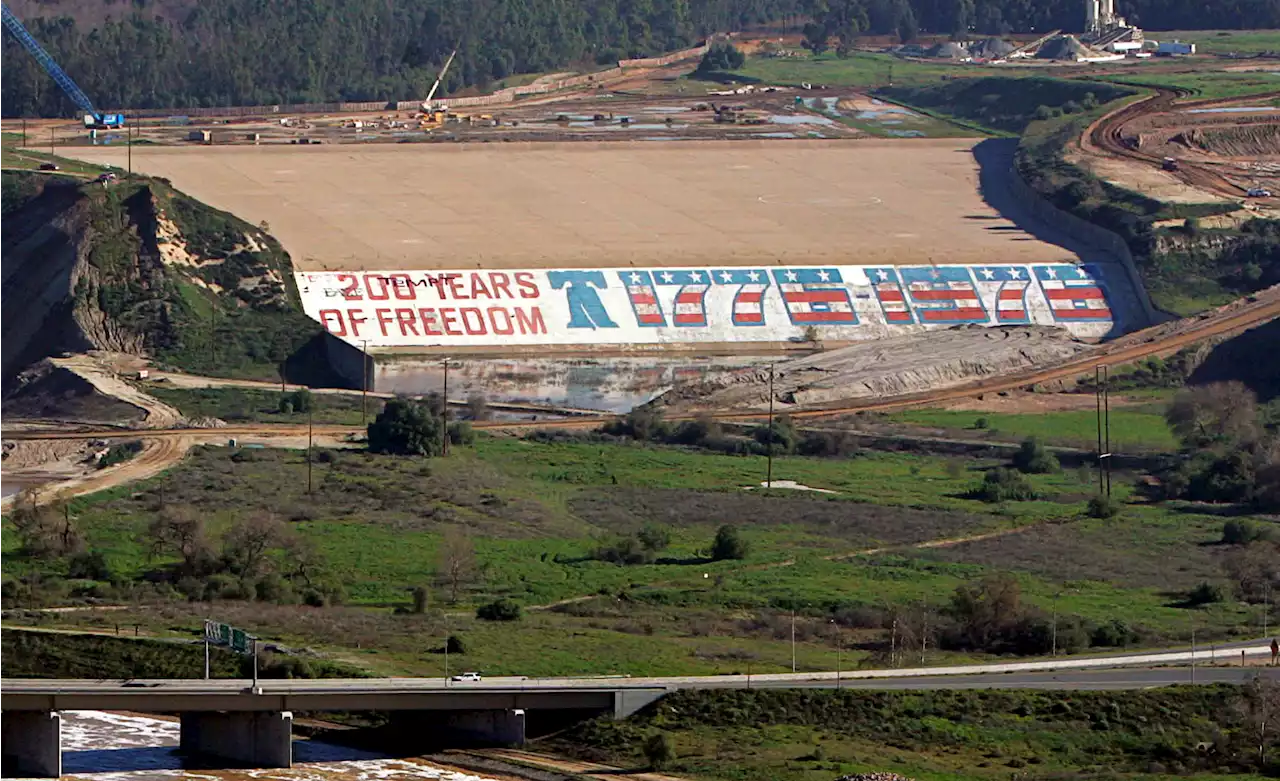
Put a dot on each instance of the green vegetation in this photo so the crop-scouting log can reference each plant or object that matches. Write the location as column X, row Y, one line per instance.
column 858, row 69
column 262, row 405
column 56, row 655
column 1006, row 104
column 1226, row 41
column 120, row 453
column 416, row 546
column 766, row 734
column 1203, row 84
column 1138, row 429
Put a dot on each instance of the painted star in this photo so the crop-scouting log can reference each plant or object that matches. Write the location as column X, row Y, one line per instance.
column 988, row 274
column 753, row 276
column 792, row 276
column 726, row 277
column 695, row 276
column 883, row 275
column 635, row 278
column 824, row 276
column 935, row 273
column 1015, row 273
column 668, row 277
column 1051, row 272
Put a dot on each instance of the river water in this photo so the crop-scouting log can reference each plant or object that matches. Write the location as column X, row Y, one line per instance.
column 119, row 747
column 606, row 384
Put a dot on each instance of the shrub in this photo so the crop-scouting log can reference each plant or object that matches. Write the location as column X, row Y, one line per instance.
column 1205, row 594
column 1103, row 507
column 981, row 423
column 499, row 610
column 1004, row 485
column 654, row 538
column 782, row 434
column 729, row 544
column 461, row 433
column 455, row 645
column 89, row 565
column 419, row 599
column 627, row 550
column 1243, row 532
column 405, row 427
column 721, row 57
column 658, row 750
column 1034, row 459
column 120, row 453
column 1114, row 634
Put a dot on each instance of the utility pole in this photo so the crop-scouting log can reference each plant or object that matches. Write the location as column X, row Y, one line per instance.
column 282, row 380
column 1106, row 407
column 838, row 650
column 51, row 141
column 24, row 131
column 1097, row 403
column 924, row 630
column 364, row 383
column 893, row 644
column 255, row 662
column 793, row 640
column 1055, row 625
column 129, row 145
column 444, row 413
column 446, row 649
column 309, row 417
column 1193, row 654
column 1266, row 605
column 768, row 482
column 206, row 649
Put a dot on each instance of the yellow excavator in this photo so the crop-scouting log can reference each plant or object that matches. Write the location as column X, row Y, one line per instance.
column 432, row 115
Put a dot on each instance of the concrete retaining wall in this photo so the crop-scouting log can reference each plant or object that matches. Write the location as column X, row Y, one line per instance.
column 1097, row 236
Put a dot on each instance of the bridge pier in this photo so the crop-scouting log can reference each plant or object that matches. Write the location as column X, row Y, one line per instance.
column 31, row 742
column 488, row 728
column 258, row 739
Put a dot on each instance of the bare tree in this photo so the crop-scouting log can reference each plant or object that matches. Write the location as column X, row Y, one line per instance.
column 1255, row 569
column 303, row 560
column 1221, row 412
column 247, row 543
column 45, row 530
column 180, row 529
column 457, row 563
column 1259, row 706
column 478, row 406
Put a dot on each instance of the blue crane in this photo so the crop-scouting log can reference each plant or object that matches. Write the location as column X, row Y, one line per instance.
column 92, row 117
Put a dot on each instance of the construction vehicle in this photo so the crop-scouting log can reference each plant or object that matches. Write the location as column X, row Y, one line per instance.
column 1169, row 164
column 427, row 108
column 93, row 119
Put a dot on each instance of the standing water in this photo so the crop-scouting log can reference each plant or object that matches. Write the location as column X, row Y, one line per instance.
column 118, row 747
column 606, row 384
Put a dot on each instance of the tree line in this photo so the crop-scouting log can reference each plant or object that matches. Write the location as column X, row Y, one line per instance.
column 244, row 52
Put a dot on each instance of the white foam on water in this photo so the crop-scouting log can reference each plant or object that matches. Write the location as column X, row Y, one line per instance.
column 104, row 746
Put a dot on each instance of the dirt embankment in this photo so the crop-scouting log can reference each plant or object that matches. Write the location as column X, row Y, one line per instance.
column 1238, row 141
column 886, row 367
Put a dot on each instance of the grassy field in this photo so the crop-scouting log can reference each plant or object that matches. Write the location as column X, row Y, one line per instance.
column 539, row 511
column 1224, row 41
column 251, row 404
column 1132, row 430
column 930, row 736
column 860, row 69
column 13, row 156
column 1203, row 84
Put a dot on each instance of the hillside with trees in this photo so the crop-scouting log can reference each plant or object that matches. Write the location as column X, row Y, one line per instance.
column 161, row 53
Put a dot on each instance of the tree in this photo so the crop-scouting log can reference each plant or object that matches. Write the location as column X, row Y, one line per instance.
column 1255, row 570
column 478, row 407
column 180, row 529
column 1243, row 532
column 456, row 563
column 46, row 531
column 1102, row 507
column 654, row 538
column 985, row 610
column 419, row 594
column 1004, row 485
column 729, row 544
column 721, row 56
column 1259, row 706
column 1034, row 458
column 1220, row 413
column 248, row 541
column 658, row 750
column 405, row 427
column 499, row 610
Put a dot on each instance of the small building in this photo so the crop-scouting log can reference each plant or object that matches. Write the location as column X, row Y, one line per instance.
column 1175, row 49
column 200, row 136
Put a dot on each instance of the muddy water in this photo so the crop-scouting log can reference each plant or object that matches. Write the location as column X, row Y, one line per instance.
column 117, row 747
column 608, row 384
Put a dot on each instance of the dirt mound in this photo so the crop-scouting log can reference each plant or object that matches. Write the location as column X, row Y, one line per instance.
column 887, row 367
column 1243, row 141
column 53, row 392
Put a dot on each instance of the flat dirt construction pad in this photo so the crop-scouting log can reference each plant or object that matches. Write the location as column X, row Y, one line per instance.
column 529, row 205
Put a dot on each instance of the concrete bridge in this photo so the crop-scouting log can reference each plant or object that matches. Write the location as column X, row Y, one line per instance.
column 235, row 720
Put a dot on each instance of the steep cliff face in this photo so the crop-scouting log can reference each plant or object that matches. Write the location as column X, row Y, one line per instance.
column 137, row 267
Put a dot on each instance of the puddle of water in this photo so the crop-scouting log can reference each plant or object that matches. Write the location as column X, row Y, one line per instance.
column 1231, row 110
column 632, row 126
column 800, row 119
column 825, row 105
column 780, row 134
column 606, row 384
column 116, row 747
column 878, row 114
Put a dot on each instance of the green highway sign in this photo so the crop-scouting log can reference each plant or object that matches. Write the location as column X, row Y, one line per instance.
column 237, row 640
